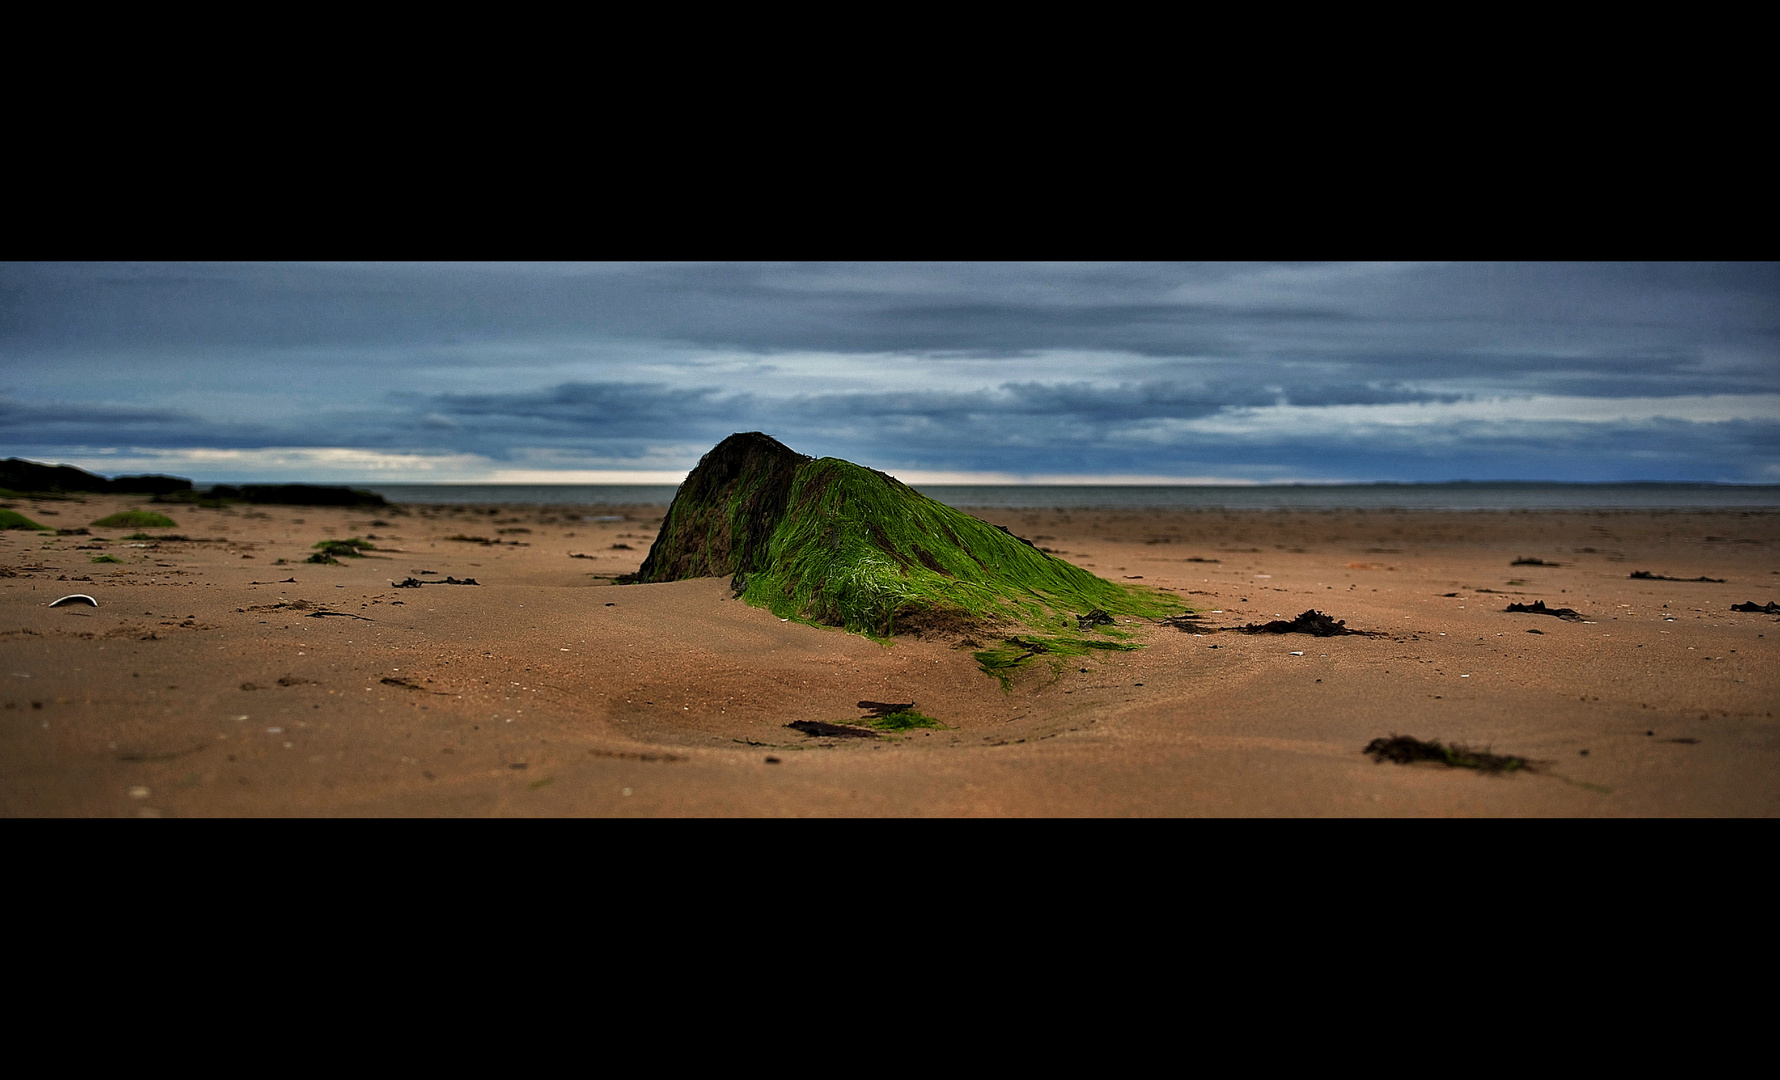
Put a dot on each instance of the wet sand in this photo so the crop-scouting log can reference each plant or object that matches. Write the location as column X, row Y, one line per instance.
column 206, row 684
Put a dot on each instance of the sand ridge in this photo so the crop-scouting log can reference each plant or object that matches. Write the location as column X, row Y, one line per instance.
column 209, row 683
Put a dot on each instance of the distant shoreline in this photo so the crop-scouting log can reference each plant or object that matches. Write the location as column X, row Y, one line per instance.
column 1460, row 495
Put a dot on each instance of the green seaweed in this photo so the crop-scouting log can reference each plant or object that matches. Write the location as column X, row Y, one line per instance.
column 861, row 550
column 826, row 542
column 331, row 551
column 905, row 720
column 1015, row 652
column 135, row 519
column 12, row 519
column 106, row 558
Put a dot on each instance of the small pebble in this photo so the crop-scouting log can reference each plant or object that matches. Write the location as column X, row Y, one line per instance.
column 138, row 793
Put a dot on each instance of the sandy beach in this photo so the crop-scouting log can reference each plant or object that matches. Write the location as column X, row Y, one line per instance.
column 222, row 675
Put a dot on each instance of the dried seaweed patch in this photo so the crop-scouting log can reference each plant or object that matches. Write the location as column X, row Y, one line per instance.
column 835, row 731
column 1538, row 607
column 1405, row 750
column 1312, row 622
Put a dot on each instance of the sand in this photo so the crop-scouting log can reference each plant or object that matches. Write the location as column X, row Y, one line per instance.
column 205, row 684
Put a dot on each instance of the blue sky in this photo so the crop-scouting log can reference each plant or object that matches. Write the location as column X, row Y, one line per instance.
column 1222, row 372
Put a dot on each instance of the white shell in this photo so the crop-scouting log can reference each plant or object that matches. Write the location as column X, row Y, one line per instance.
column 74, row 599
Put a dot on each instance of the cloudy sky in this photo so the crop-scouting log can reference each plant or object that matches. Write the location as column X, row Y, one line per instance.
column 947, row 372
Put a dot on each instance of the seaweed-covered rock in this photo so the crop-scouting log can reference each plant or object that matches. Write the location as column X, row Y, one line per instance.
column 828, row 541
column 724, row 514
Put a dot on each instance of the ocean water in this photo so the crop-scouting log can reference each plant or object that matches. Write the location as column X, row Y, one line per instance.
column 1453, row 496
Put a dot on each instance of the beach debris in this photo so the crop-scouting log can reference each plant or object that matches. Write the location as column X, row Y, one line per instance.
column 406, row 685
column 1770, row 608
column 74, row 532
column 415, row 583
column 1538, row 607
column 292, row 680
column 833, row 731
column 1405, row 750
column 1645, row 575
column 74, row 598
column 833, row 543
column 324, row 613
column 1312, row 622
column 1525, row 561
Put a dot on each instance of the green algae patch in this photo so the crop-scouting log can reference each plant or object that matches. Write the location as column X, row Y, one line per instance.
column 105, row 559
column 898, row 716
column 1015, row 652
column 12, row 519
column 136, row 519
column 830, row 543
column 905, row 720
column 861, row 550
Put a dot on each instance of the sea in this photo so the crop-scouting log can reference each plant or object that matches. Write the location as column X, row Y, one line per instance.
column 1463, row 495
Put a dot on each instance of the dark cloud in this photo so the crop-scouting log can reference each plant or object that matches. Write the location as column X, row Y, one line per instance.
column 427, row 358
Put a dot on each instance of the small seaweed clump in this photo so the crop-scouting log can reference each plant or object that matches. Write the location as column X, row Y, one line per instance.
column 135, row 519
column 1404, row 749
column 892, row 716
column 330, row 552
column 1312, row 622
column 12, row 519
column 1770, row 608
column 1014, row 652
